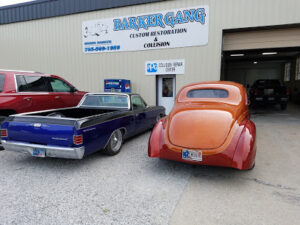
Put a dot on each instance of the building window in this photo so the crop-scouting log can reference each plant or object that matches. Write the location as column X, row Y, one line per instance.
column 297, row 77
column 287, row 72
column 167, row 90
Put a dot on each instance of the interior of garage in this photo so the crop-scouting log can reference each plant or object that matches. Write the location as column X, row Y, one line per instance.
column 265, row 54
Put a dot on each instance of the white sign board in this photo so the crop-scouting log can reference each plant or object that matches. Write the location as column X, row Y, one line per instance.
column 175, row 66
column 166, row 29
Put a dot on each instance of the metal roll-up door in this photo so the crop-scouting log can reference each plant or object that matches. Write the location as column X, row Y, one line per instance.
column 262, row 39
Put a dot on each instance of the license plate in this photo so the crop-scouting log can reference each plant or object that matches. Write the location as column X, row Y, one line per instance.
column 191, row 155
column 271, row 98
column 39, row 152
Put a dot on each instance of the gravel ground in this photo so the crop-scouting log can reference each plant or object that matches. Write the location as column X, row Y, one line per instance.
column 128, row 188
column 131, row 188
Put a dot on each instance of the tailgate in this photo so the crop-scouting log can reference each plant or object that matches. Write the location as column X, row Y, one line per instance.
column 41, row 133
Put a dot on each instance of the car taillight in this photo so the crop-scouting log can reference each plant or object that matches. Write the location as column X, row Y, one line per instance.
column 77, row 139
column 287, row 91
column 3, row 133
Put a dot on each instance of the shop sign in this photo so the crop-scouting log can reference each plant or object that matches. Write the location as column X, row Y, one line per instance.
column 175, row 66
column 157, row 30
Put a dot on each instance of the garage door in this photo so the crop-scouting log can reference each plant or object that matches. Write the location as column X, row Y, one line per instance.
column 262, row 39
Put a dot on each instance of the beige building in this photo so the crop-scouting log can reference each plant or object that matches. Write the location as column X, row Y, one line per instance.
column 246, row 40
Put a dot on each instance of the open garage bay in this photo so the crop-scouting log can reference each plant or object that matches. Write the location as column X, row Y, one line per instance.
column 131, row 188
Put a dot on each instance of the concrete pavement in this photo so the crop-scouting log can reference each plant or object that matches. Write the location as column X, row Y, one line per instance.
column 268, row 194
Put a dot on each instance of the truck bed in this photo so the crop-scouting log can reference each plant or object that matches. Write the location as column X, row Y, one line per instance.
column 77, row 112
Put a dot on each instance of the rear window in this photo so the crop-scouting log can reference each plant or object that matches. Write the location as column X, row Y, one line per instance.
column 207, row 93
column 2, row 79
column 108, row 101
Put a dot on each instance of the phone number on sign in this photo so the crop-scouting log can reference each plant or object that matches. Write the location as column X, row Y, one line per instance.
column 103, row 48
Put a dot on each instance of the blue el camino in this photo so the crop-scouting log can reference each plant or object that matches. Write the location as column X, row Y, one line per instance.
column 101, row 121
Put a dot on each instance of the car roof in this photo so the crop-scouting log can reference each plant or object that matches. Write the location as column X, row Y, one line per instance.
column 22, row 71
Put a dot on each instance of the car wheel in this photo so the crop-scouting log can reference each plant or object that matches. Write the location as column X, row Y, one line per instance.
column 158, row 117
column 114, row 144
column 252, row 166
column 283, row 106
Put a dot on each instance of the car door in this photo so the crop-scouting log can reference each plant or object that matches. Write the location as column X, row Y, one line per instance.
column 63, row 93
column 34, row 93
column 141, row 116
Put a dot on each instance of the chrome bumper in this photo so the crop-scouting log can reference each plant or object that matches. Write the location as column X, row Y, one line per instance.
column 51, row 151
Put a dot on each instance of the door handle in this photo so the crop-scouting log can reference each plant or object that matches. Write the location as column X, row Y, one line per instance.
column 57, row 97
column 28, row 99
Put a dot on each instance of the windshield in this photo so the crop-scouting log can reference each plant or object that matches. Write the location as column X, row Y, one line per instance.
column 107, row 101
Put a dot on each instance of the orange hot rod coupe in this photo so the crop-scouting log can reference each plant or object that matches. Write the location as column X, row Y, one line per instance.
column 208, row 125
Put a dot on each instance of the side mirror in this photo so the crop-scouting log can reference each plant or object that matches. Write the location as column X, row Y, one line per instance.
column 73, row 89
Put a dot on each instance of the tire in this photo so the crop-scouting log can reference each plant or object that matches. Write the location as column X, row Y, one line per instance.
column 114, row 144
column 252, row 167
column 283, row 106
column 158, row 117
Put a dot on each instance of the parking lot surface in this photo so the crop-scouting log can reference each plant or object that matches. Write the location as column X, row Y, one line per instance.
column 131, row 188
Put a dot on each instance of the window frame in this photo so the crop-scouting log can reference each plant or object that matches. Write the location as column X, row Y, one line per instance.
column 287, row 71
column 145, row 104
column 50, row 86
column 101, row 94
column 297, row 70
column 4, row 75
column 39, row 75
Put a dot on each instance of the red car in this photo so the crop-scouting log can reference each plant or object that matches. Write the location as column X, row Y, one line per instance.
column 25, row 91
column 208, row 125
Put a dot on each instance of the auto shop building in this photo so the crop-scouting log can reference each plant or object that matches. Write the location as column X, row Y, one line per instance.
column 160, row 45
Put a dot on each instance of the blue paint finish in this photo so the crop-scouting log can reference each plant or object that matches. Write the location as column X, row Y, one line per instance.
column 95, row 137
column 46, row 134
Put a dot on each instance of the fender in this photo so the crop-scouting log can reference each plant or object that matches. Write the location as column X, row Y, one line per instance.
column 156, row 140
column 244, row 156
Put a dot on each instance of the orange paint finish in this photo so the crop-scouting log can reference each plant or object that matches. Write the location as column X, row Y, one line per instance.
column 218, row 127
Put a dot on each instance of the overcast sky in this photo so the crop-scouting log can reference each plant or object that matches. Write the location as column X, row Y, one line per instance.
column 11, row 2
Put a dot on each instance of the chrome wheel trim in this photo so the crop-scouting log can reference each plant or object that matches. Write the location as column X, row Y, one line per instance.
column 116, row 140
